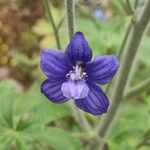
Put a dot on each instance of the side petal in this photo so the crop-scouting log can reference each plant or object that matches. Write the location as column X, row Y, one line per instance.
column 79, row 49
column 54, row 63
column 102, row 68
column 95, row 103
column 52, row 90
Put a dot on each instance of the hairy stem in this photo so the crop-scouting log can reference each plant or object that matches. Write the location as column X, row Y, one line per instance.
column 80, row 118
column 51, row 19
column 122, row 47
column 70, row 16
column 120, row 51
column 70, row 19
column 127, row 61
column 138, row 89
column 126, row 36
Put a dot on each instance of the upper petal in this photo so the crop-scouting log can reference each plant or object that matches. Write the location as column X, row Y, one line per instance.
column 52, row 90
column 95, row 103
column 102, row 68
column 54, row 63
column 79, row 49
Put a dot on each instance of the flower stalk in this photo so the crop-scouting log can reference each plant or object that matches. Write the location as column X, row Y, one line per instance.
column 51, row 20
column 129, row 28
column 80, row 117
column 127, row 61
column 70, row 16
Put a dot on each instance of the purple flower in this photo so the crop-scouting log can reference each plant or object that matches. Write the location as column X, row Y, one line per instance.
column 99, row 14
column 72, row 75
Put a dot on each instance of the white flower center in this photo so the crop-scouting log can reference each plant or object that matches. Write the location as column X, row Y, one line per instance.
column 75, row 87
column 77, row 74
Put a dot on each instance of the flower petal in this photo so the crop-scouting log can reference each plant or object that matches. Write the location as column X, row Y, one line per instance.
column 52, row 90
column 54, row 63
column 95, row 103
column 78, row 49
column 102, row 68
column 74, row 90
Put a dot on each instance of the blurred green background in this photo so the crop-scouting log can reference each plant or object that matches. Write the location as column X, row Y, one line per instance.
column 27, row 120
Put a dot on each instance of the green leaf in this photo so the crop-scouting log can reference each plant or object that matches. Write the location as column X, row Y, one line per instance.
column 7, row 112
column 20, row 144
column 106, row 36
column 22, row 115
column 129, row 129
column 47, row 112
column 59, row 139
column 41, row 110
column 8, row 94
column 7, row 144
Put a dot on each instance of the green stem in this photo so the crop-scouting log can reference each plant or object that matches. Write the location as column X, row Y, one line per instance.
column 138, row 89
column 136, row 3
column 80, row 118
column 127, row 61
column 83, row 121
column 124, row 42
column 60, row 23
column 121, row 49
column 128, row 29
column 70, row 16
column 51, row 19
column 129, row 7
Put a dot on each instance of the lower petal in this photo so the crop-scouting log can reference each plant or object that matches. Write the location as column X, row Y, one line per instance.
column 75, row 90
column 95, row 103
column 52, row 90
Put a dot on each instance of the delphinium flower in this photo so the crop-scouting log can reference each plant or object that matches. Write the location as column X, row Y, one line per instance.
column 73, row 75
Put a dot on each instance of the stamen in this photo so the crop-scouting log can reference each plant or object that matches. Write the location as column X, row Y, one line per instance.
column 67, row 75
column 77, row 74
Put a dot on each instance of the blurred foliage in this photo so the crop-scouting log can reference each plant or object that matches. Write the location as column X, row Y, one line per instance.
column 133, row 122
column 27, row 120
column 24, row 33
column 105, row 35
column 43, row 28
